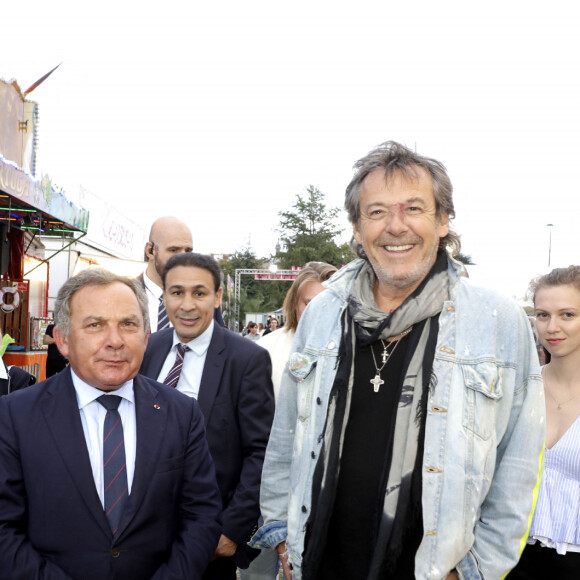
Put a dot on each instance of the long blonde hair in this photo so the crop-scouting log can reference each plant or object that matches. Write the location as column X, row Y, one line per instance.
column 312, row 272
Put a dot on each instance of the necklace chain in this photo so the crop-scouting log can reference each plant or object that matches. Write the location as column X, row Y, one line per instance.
column 560, row 405
column 549, row 391
column 377, row 381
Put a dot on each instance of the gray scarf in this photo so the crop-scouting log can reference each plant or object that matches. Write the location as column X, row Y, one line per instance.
column 426, row 301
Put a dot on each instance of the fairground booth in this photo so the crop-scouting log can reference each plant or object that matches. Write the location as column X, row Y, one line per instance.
column 30, row 206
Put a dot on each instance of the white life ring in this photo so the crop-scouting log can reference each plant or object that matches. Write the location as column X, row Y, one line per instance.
column 15, row 299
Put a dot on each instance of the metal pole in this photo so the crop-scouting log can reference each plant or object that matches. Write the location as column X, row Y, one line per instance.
column 83, row 234
column 237, row 284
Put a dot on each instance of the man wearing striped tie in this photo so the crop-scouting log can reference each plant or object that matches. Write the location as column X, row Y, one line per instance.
column 104, row 473
column 231, row 379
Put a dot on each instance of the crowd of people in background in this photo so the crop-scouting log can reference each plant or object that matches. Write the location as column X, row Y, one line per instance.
column 395, row 421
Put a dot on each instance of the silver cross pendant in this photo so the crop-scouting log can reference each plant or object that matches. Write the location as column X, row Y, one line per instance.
column 377, row 382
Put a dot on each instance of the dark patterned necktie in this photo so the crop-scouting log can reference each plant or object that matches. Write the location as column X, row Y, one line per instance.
column 114, row 466
column 162, row 318
column 172, row 377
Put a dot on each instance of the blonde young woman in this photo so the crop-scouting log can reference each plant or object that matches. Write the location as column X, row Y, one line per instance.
column 306, row 286
column 553, row 549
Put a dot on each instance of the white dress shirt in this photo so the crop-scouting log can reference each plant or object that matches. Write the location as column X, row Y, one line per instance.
column 154, row 293
column 93, row 421
column 193, row 362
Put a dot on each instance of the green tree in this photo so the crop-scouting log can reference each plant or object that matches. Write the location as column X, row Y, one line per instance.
column 308, row 233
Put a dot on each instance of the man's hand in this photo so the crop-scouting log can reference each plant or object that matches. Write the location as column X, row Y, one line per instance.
column 225, row 548
column 452, row 575
column 283, row 555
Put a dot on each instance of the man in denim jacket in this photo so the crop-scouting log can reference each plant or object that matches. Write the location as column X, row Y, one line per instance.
column 409, row 429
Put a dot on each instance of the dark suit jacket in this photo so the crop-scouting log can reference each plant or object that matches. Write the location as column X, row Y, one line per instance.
column 237, row 401
column 17, row 379
column 217, row 313
column 52, row 523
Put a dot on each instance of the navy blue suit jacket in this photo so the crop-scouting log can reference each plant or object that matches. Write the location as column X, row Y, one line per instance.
column 237, row 401
column 17, row 379
column 52, row 523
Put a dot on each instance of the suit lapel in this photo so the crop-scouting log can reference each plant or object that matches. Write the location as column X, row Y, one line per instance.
column 159, row 347
column 151, row 422
column 212, row 371
column 62, row 415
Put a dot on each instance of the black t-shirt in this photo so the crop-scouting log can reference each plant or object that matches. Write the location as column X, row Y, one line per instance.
column 364, row 468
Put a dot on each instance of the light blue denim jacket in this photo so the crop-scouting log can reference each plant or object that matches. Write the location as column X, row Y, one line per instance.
column 483, row 442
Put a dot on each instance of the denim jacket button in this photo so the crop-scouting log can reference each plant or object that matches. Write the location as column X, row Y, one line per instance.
column 313, row 455
column 304, row 509
column 318, row 401
column 330, row 345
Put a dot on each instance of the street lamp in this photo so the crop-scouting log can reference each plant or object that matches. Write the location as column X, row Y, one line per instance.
column 550, row 243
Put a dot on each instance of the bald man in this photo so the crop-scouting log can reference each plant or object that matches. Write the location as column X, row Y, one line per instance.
column 168, row 236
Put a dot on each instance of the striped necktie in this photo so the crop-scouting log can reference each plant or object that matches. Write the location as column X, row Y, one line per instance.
column 114, row 466
column 162, row 318
column 172, row 377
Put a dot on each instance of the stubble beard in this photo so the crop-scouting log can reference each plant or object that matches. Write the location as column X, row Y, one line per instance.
column 411, row 278
column 158, row 265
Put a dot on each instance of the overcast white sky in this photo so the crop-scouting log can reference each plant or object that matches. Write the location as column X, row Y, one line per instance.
column 220, row 112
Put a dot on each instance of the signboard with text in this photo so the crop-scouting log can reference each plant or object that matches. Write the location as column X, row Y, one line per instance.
column 18, row 125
